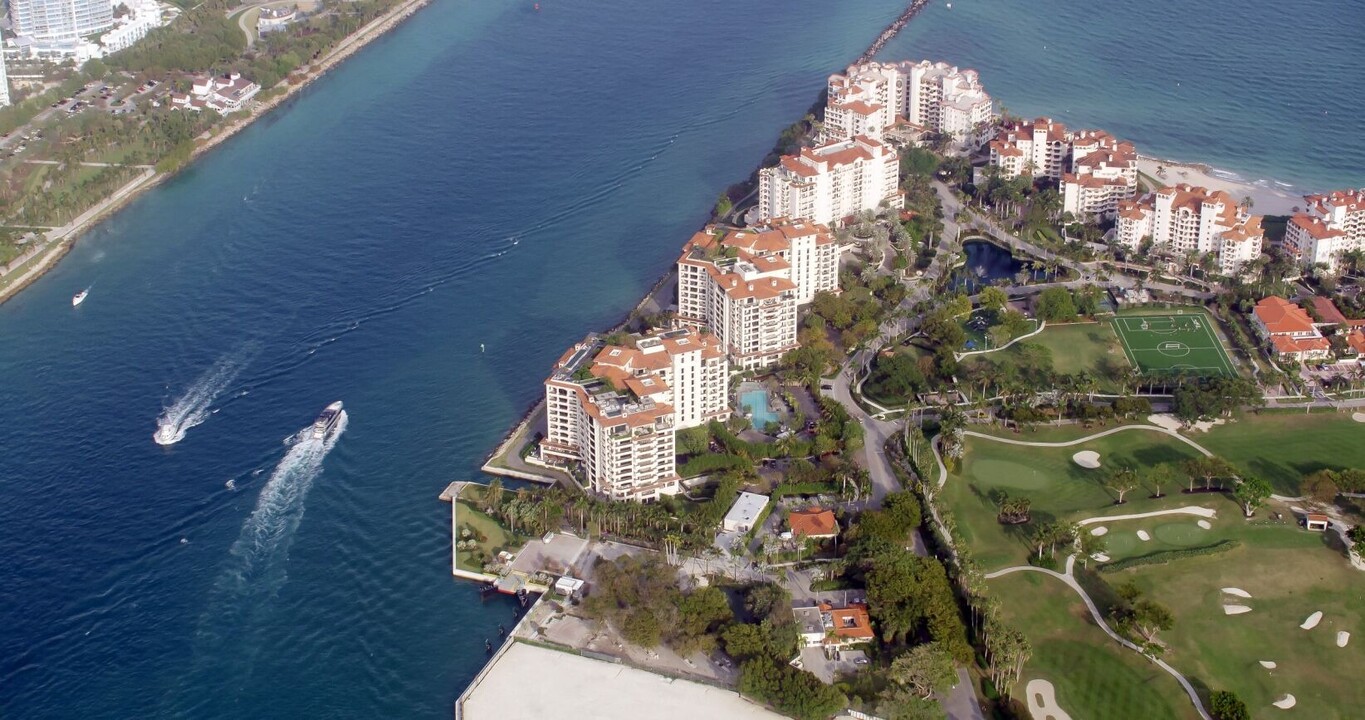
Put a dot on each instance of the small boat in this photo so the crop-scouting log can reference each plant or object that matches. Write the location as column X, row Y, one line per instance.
column 327, row 421
column 79, row 297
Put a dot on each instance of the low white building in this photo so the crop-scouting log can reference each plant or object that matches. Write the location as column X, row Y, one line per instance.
column 221, row 93
column 745, row 512
column 276, row 19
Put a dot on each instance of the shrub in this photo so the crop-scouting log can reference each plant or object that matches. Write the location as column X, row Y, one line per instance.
column 1165, row 556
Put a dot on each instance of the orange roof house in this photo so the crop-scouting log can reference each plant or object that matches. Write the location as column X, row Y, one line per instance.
column 813, row 523
column 850, row 624
column 1281, row 317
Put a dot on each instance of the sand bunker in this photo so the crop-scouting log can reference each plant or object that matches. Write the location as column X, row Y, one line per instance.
column 1099, row 531
column 1143, row 536
column 1164, row 421
column 1100, row 557
column 1042, row 701
column 1087, row 459
column 1343, row 637
column 1206, row 524
column 1235, row 609
column 1239, row 592
column 1268, row 664
column 1312, row 621
column 1285, row 702
column 1358, row 417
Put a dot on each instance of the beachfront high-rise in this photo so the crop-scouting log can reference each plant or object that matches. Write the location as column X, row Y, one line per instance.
column 810, row 248
column 1094, row 171
column 1184, row 219
column 1334, row 223
column 935, row 96
column 60, row 20
column 614, row 410
column 830, row 182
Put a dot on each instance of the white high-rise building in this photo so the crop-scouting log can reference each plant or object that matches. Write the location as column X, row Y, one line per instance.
column 1334, row 223
column 934, row 96
column 828, row 183
column 60, row 20
column 747, row 300
column 1182, row 219
column 810, row 249
column 614, row 410
column 4, row 83
column 1093, row 170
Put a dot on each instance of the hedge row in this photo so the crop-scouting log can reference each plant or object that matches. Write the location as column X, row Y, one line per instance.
column 1165, row 556
column 709, row 463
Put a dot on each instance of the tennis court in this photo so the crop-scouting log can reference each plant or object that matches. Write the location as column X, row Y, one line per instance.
column 1173, row 343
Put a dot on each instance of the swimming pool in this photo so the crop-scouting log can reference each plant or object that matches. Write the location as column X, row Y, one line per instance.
column 756, row 403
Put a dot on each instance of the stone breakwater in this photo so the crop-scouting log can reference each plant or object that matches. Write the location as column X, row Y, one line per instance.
column 892, row 30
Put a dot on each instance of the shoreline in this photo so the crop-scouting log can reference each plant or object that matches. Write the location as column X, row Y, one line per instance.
column 1267, row 199
column 59, row 245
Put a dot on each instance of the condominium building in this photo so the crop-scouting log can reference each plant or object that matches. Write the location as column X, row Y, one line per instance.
column 1334, row 223
column 1094, row 171
column 4, row 83
column 747, row 299
column 827, row 183
column 935, row 96
column 60, row 20
column 809, row 248
column 1183, row 219
column 613, row 410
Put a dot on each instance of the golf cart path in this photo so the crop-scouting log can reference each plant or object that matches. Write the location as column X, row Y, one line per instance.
column 1071, row 582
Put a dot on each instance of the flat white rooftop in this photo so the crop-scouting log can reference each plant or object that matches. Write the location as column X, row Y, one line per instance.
column 532, row 683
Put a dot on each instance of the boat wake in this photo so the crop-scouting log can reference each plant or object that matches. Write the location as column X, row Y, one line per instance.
column 264, row 542
column 192, row 407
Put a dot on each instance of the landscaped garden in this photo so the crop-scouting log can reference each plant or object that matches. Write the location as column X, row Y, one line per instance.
column 1283, row 447
column 481, row 538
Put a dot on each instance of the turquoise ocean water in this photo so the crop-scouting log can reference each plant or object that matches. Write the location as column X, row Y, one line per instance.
column 485, row 175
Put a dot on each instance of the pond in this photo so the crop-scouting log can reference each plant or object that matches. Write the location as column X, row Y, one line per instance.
column 986, row 263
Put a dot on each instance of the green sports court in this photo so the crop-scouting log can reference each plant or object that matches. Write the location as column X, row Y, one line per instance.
column 1173, row 343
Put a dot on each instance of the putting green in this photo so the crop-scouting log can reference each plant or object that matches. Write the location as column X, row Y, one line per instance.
column 1120, row 541
column 1184, row 533
column 1012, row 474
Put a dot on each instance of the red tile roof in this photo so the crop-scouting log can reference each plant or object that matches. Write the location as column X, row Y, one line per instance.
column 1281, row 317
column 813, row 522
column 1328, row 311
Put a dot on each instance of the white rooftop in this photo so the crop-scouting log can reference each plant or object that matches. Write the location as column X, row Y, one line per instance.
column 532, row 683
column 746, row 509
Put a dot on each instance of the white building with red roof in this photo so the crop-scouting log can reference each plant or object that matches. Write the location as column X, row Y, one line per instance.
column 1183, row 219
column 1093, row 169
column 832, row 181
column 1289, row 330
column 614, row 410
column 1333, row 223
column 745, row 297
column 935, row 96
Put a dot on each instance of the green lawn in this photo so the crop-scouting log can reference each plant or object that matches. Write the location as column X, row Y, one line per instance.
column 1059, row 488
column 496, row 537
column 1171, row 342
column 1094, row 676
column 1075, row 348
column 1290, row 575
column 1282, row 448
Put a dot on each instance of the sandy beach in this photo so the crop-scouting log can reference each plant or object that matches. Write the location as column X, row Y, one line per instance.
column 1265, row 200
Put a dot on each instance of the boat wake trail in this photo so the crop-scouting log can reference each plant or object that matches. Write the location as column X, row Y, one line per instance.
column 263, row 545
column 192, row 407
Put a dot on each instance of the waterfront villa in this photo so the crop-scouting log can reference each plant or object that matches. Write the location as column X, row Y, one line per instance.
column 829, row 182
column 613, row 410
column 1182, row 219
column 1289, row 330
column 868, row 98
column 1333, row 223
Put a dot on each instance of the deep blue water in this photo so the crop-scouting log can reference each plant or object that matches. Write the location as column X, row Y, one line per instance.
column 1267, row 89
column 983, row 263
column 484, row 175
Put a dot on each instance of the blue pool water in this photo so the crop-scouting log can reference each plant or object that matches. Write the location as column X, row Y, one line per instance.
column 756, row 403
